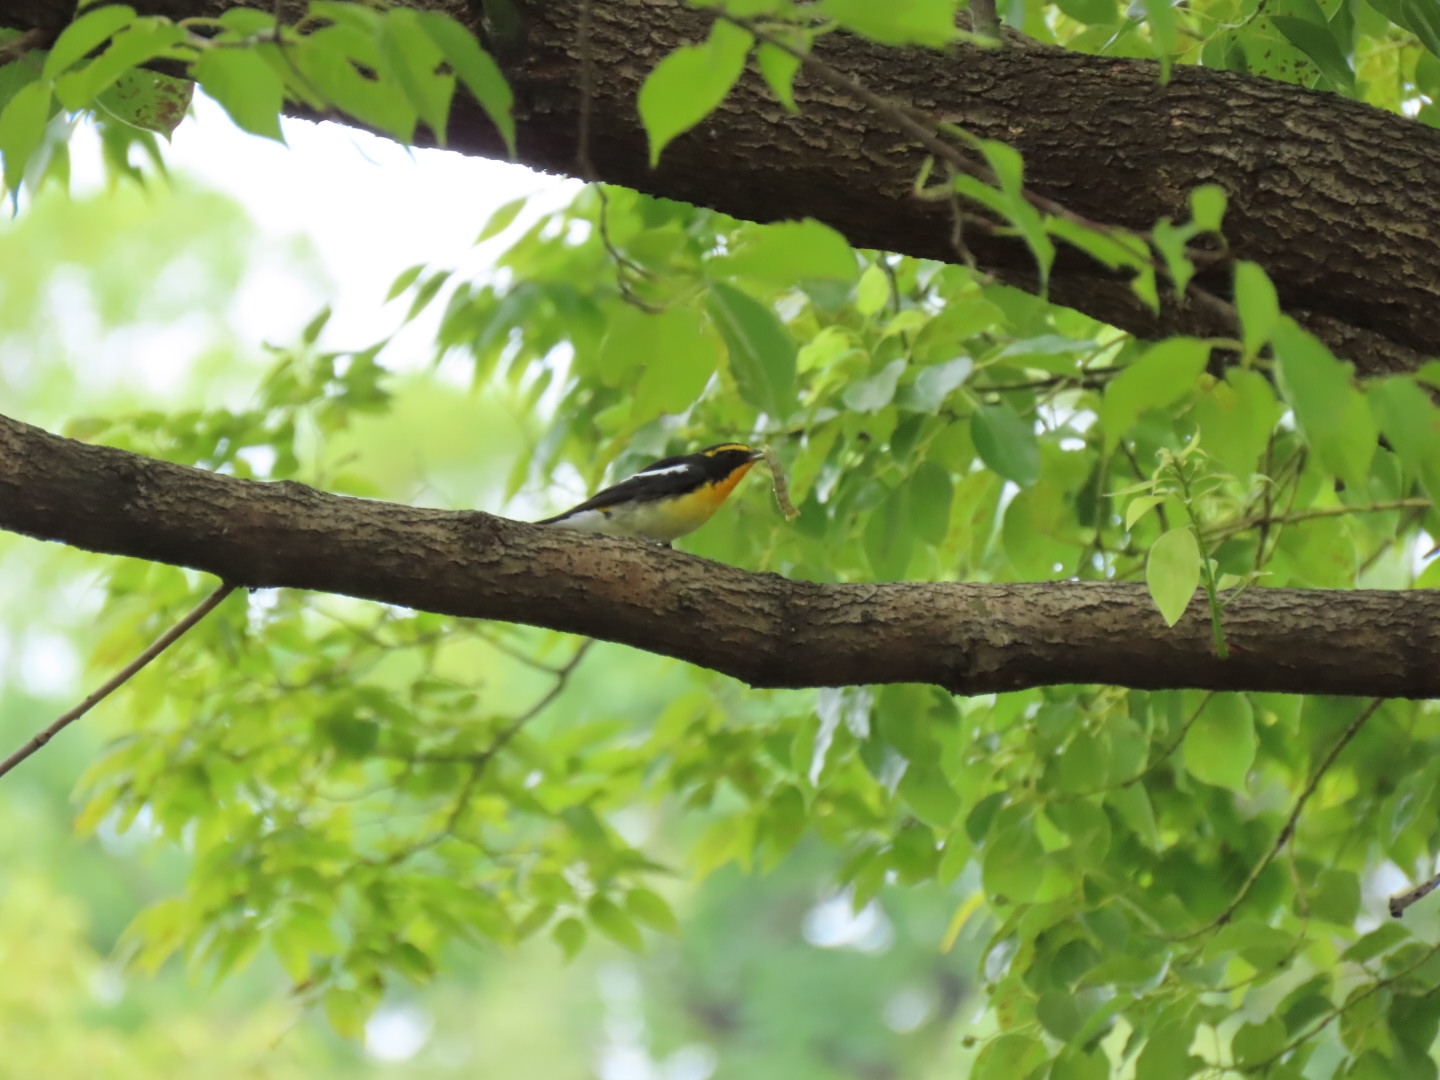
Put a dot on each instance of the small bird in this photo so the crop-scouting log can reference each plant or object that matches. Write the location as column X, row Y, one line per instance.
column 667, row 499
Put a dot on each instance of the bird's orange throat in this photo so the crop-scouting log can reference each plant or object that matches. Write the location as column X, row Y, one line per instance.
column 720, row 490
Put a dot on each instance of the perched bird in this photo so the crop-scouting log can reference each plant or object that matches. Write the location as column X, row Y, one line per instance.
column 668, row 499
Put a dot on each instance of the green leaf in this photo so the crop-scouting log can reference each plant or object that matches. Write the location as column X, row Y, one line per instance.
column 1009, row 1057
column 1172, row 241
column 872, row 394
column 1411, row 424
column 1256, row 1043
column 888, row 539
column 1166, row 1055
column 22, row 128
column 1013, row 866
column 13, row 76
column 347, row 1010
column 148, row 100
column 1165, row 374
column 611, row 921
column 1007, row 164
column 1006, row 443
column 927, row 791
column 476, row 69
column 330, row 62
column 762, row 356
column 778, row 68
column 1120, row 250
column 786, row 252
column 674, row 352
column 143, row 40
column 403, row 281
column 1095, row 12
column 896, row 22
column 1207, row 207
column 1220, row 745
column 914, row 854
column 933, row 384
column 1014, row 208
column 690, row 83
column 246, row 86
column 1333, row 416
column 1317, row 41
column 651, row 909
column 1160, row 14
column 1139, row 507
column 1420, row 17
column 502, row 219
column 1377, row 941
column 412, row 58
column 1236, row 417
column 931, row 491
column 1076, row 1064
column 1172, row 573
column 84, row 35
column 1336, row 897
column 1258, row 305
column 873, row 292
column 412, row 962
column 570, row 935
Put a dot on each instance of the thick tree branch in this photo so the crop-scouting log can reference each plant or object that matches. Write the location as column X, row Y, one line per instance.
column 761, row 628
column 1338, row 201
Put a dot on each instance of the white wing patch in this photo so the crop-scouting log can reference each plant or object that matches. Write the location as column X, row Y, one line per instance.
column 668, row 470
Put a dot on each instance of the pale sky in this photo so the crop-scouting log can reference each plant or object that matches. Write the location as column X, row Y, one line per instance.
column 369, row 206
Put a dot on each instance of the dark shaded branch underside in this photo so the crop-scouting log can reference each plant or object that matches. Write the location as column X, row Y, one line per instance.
column 761, row 628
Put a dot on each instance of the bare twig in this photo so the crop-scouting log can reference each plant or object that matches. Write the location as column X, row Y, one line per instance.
column 1401, row 901
column 1355, row 998
column 1289, row 828
column 984, row 19
column 17, row 47
column 1230, row 528
column 1084, row 379
column 480, row 761
column 163, row 642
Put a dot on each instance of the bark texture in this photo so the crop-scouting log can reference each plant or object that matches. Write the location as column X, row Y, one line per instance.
column 764, row 629
column 1338, row 201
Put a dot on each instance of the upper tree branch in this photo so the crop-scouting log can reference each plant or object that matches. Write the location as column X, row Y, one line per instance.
column 1338, row 201
column 761, row 628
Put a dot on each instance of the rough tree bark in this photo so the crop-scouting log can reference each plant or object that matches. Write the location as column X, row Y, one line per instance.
column 762, row 628
column 1338, row 201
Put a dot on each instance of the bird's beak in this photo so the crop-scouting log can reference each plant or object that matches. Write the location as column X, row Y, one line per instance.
column 757, row 455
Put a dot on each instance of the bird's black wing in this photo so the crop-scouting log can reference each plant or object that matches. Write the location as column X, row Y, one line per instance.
column 664, row 478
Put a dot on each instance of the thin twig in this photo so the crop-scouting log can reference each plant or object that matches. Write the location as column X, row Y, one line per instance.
column 163, row 642
column 18, row 46
column 1289, row 828
column 480, row 761
column 1375, row 556
column 1355, row 998
column 1084, row 379
column 1399, row 903
column 1230, row 528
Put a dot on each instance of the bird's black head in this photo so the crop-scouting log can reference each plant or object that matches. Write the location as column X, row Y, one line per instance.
column 722, row 459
